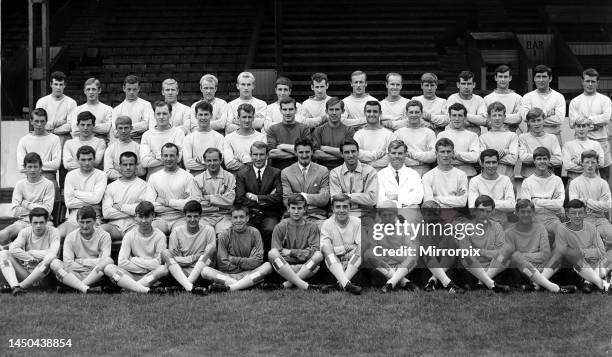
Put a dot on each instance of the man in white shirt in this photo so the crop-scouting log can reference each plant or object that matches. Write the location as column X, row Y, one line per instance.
column 138, row 109
column 355, row 103
column 547, row 99
column 86, row 122
column 181, row 114
column 394, row 105
column 58, row 106
column 314, row 106
column 373, row 139
column 241, row 140
column 124, row 143
column 398, row 183
column 596, row 108
column 419, row 139
column 245, row 83
column 155, row 138
column 208, row 87
column 467, row 147
column 506, row 96
column 476, row 109
column 434, row 108
column 101, row 111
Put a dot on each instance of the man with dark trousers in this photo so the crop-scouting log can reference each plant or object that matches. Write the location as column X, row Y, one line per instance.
column 258, row 187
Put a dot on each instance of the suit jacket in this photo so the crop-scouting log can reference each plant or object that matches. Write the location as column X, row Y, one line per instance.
column 316, row 186
column 269, row 193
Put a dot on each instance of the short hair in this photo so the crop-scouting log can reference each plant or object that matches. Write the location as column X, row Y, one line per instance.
column 85, row 150
column 397, row 144
column 170, row 146
column 247, row 108
column 523, row 203
column 259, row 145
column 211, row 150
column 465, row 75
column 502, row 69
column 534, row 113
column 341, row 197
column 87, row 212
column 242, row 208
column 333, row 101
column 86, row 115
column 131, row 79
column 348, row 142
column 496, row 107
column 318, row 77
column 575, row 203
column 38, row 212
column 485, row 201
column 429, row 78
column 161, row 103
column 542, row 68
column 444, row 142
column 31, row 158
column 392, row 74
column 488, row 152
column 296, row 199
column 457, row 107
column 303, row 142
column 192, row 206
column 541, row 151
column 248, row 75
column 591, row 72
column 414, row 103
column 123, row 119
column 58, row 76
column 204, row 106
column 169, row 82
column 373, row 103
column 359, row 73
column 39, row 112
column 128, row 154
column 283, row 81
column 587, row 154
column 287, row 100
column 209, row 78
column 91, row 81
column 145, row 209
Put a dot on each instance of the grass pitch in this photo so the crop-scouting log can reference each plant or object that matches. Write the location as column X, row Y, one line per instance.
column 293, row 323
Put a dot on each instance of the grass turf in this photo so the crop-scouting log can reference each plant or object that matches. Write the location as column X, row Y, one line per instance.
column 309, row 323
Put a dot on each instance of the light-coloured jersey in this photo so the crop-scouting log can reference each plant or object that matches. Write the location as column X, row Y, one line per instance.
column 28, row 195
column 27, row 246
column 139, row 254
column 552, row 103
column 186, row 248
column 126, row 194
column 48, row 147
column 102, row 112
column 57, row 112
column 69, row 155
column 448, row 188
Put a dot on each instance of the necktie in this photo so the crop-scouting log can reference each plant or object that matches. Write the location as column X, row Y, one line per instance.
column 304, row 172
column 397, row 176
column 259, row 176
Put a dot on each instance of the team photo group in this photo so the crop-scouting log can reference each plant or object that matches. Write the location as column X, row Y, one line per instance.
column 224, row 196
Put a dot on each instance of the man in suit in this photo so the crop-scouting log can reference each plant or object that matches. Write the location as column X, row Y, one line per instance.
column 309, row 180
column 258, row 187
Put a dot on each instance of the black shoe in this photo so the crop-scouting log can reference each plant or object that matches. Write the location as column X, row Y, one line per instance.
column 453, row 288
column 111, row 289
column 410, row 286
column 199, row 291
column 430, row 286
column 386, row 288
column 314, row 287
column 351, row 288
column 270, row 286
column 528, row 288
column 567, row 289
column 63, row 289
column 6, row 289
column 498, row 288
column 96, row 290
column 587, row 287
column 218, row 288
column 18, row 291
column 326, row 289
column 158, row 290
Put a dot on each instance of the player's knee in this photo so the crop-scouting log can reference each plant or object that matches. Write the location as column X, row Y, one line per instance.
column 327, row 249
column 161, row 271
column 273, row 254
column 105, row 262
column 573, row 256
column 110, row 269
column 265, row 268
column 317, row 257
column 56, row 265
column 48, row 259
column 4, row 255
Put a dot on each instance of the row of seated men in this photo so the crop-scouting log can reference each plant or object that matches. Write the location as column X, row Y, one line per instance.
column 199, row 263
column 261, row 188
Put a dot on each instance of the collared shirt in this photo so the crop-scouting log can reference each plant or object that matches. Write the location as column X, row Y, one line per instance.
column 220, row 189
column 263, row 169
column 361, row 183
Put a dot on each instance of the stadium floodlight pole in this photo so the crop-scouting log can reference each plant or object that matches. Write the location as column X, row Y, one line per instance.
column 37, row 73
